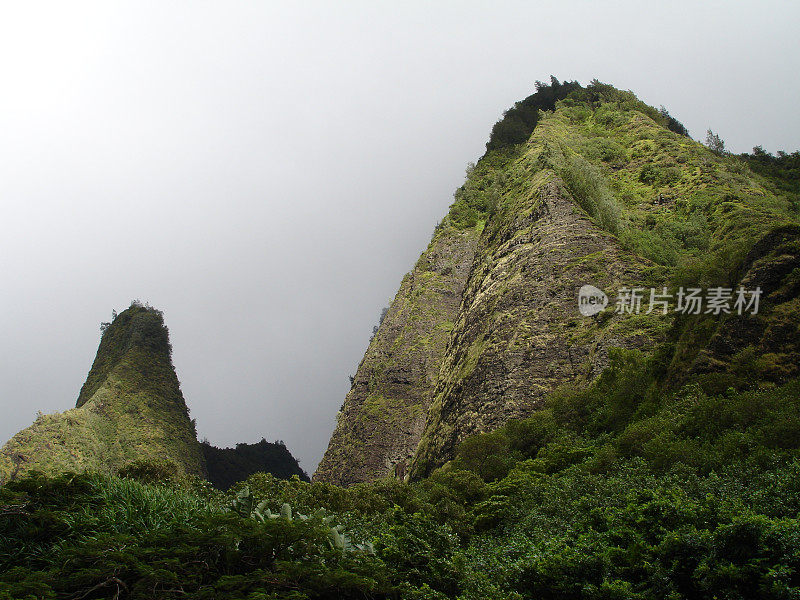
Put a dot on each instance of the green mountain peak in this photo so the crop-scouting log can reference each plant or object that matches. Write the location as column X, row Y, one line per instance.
column 578, row 185
column 130, row 410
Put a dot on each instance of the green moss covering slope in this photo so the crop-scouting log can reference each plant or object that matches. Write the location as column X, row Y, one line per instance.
column 380, row 422
column 130, row 410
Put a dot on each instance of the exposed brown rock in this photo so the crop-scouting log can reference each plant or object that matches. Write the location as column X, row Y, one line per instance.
column 384, row 413
column 519, row 334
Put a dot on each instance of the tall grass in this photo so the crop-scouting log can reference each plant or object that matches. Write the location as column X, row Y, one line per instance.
column 84, row 506
column 586, row 184
column 128, row 506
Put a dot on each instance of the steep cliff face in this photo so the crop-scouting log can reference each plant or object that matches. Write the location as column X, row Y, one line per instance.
column 130, row 409
column 602, row 193
column 519, row 334
column 384, row 413
column 734, row 350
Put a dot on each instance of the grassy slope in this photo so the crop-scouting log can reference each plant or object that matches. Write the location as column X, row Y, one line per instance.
column 705, row 218
column 664, row 196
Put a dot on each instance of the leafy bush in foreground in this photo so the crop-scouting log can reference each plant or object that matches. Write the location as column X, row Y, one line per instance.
column 91, row 536
column 616, row 491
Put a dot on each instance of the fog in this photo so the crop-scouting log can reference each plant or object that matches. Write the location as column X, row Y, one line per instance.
column 266, row 172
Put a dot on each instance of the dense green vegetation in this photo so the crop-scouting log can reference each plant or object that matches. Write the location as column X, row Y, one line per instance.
column 227, row 466
column 783, row 170
column 519, row 121
column 666, row 197
column 615, row 491
column 90, row 536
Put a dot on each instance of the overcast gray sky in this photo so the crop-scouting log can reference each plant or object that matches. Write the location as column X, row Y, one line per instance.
column 266, row 172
